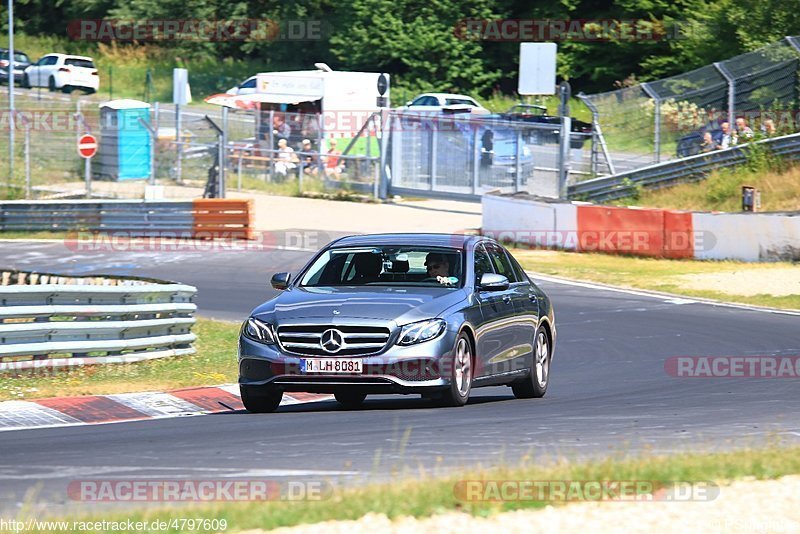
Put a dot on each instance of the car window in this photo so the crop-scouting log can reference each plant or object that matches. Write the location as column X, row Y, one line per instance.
column 482, row 263
column 458, row 101
column 522, row 276
column 425, row 101
column 386, row 266
column 75, row 62
column 501, row 263
column 48, row 60
column 248, row 84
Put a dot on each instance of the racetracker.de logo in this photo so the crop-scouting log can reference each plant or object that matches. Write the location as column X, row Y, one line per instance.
column 213, row 30
column 547, row 30
column 584, row 490
column 733, row 366
column 207, row 490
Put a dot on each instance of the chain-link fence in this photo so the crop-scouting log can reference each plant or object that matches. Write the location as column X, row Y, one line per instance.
column 433, row 154
column 668, row 118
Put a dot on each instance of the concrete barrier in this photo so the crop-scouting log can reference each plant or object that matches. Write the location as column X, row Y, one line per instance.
column 650, row 232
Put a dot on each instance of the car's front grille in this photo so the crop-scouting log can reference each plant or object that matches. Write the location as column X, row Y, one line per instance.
column 356, row 340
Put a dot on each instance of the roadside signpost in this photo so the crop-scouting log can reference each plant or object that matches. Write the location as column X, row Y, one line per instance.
column 87, row 148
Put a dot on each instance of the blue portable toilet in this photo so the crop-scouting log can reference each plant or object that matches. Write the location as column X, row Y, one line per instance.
column 125, row 144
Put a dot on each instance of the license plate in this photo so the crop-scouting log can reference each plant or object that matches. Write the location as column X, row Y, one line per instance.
column 331, row 365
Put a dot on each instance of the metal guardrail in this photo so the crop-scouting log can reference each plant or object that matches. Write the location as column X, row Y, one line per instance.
column 48, row 324
column 204, row 218
column 677, row 171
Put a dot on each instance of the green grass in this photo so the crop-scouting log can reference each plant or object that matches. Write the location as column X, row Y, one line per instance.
column 213, row 363
column 722, row 191
column 426, row 495
column 659, row 274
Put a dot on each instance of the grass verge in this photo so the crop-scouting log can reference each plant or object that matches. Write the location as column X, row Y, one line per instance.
column 213, row 363
column 672, row 276
column 425, row 496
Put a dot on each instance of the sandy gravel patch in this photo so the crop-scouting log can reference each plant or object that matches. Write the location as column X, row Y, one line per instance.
column 746, row 506
column 779, row 282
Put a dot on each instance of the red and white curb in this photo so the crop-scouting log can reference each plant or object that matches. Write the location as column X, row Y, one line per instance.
column 99, row 409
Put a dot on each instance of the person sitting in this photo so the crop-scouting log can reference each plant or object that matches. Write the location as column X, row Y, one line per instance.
column 309, row 158
column 768, row 127
column 708, row 144
column 728, row 138
column 333, row 164
column 437, row 265
column 286, row 159
column 743, row 131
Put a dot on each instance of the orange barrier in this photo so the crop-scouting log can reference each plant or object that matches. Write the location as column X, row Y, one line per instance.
column 622, row 230
column 222, row 217
column 678, row 234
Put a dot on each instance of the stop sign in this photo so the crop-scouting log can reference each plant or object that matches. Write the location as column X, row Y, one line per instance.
column 87, row 146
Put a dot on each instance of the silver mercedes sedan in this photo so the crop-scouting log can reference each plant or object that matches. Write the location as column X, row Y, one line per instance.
column 431, row 314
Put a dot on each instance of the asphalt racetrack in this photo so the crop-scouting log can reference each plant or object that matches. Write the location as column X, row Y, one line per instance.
column 609, row 392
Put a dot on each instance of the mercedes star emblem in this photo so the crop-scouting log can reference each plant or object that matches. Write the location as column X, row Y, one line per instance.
column 331, row 340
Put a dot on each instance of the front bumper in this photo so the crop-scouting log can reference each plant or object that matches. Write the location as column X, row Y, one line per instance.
column 396, row 369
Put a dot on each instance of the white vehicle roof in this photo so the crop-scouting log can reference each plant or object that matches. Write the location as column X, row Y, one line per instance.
column 69, row 56
column 445, row 95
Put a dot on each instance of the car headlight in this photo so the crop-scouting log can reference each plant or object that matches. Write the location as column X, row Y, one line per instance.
column 259, row 331
column 421, row 331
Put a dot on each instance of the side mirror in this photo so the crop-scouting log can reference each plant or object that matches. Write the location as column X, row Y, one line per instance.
column 408, row 103
column 493, row 282
column 281, row 280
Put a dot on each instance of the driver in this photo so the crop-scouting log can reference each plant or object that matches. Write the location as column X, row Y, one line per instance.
column 437, row 264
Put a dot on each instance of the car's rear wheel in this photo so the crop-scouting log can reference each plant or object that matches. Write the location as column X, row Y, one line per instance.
column 260, row 399
column 350, row 399
column 457, row 394
column 535, row 384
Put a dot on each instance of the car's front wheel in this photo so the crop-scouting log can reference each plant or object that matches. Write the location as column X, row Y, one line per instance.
column 260, row 399
column 51, row 84
column 350, row 399
column 535, row 384
column 26, row 82
column 457, row 394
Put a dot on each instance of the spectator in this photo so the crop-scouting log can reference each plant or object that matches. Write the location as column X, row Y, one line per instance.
column 333, row 165
column 728, row 139
column 742, row 129
column 310, row 160
column 708, row 144
column 286, row 160
column 768, row 127
column 279, row 127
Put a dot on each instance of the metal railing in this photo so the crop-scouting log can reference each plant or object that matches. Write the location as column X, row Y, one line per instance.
column 677, row 171
column 52, row 321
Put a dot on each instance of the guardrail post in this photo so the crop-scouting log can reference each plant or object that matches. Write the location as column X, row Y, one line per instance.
column 518, row 163
column 432, row 162
column 731, row 91
column 476, row 161
column 178, row 144
column 563, row 156
column 657, row 120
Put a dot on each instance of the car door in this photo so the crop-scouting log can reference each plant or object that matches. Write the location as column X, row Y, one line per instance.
column 520, row 326
column 497, row 313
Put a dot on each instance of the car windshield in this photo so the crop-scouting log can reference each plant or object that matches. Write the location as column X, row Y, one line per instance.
column 75, row 62
column 387, row 266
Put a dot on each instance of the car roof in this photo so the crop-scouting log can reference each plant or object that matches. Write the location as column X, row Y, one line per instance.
column 70, row 56
column 429, row 240
column 446, row 95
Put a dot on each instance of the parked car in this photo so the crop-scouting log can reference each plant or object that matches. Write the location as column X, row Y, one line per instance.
column 431, row 314
column 64, row 72
column 446, row 102
column 247, row 87
column 21, row 62
column 538, row 115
